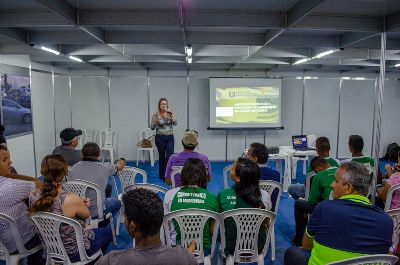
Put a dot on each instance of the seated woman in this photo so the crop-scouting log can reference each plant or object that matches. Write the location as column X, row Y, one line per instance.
column 394, row 179
column 245, row 193
column 52, row 198
column 192, row 194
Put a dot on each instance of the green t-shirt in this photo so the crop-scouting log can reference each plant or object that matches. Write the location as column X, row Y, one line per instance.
column 364, row 160
column 321, row 185
column 228, row 200
column 333, row 162
column 195, row 198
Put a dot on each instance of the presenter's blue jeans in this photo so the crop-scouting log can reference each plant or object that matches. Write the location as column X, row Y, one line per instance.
column 165, row 146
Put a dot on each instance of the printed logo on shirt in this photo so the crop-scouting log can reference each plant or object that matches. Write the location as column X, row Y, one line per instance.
column 191, row 197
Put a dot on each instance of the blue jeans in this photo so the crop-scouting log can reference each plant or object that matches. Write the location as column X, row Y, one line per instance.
column 165, row 146
column 297, row 191
column 295, row 256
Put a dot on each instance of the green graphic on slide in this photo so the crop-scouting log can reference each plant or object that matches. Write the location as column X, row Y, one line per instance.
column 247, row 105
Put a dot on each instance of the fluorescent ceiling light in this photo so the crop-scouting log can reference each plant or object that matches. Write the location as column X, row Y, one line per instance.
column 346, row 78
column 301, row 61
column 75, row 58
column 49, row 50
column 310, row 77
column 299, row 77
column 397, row 65
column 359, row 78
column 189, row 59
column 188, row 51
column 322, row 54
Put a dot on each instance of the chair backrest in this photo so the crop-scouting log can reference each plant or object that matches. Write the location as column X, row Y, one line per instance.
column 174, row 171
column 108, row 137
column 311, row 138
column 191, row 224
column 308, row 184
column 390, row 194
column 16, row 235
column 145, row 134
column 395, row 214
column 48, row 225
column 369, row 260
column 248, row 224
column 88, row 135
column 152, row 187
column 270, row 186
column 225, row 172
column 79, row 187
column 128, row 174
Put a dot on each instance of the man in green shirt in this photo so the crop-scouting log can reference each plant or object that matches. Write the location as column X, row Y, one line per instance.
column 356, row 146
column 320, row 190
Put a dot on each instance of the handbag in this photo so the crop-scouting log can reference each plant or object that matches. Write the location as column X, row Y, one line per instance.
column 145, row 143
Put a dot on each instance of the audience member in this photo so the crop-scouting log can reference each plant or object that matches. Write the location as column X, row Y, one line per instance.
column 356, row 146
column 320, row 190
column 259, row 154
column 3, row 141
column 245, row 193
column 346, row 227
column 93, row 170
column 52, row 198
column 393, row 169
column 193, row 194
column 69, row 141
column 394, row 179
column 189, row 142
column 14, row 192
column 323, row 148
column 143, row 217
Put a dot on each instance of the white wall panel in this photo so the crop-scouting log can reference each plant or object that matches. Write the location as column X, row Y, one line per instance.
column 22, row 154
column 62, row 103
column 321, row 108
column 43, row 115
column 357, row 114
column 128, row 100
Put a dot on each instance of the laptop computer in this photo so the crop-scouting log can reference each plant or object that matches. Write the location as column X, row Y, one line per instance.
column 300, row 143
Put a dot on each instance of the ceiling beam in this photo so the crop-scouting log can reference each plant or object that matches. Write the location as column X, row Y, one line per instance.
column 351, row 38
column 392, row 22
column 29, row 18
column 18, row 35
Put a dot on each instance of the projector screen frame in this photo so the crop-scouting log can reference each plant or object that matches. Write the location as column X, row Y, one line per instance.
column 247, row 128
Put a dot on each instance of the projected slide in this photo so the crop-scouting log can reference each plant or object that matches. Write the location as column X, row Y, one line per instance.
column 256, row 104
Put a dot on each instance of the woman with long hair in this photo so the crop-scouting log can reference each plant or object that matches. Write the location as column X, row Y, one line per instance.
column 245, row 193
column 52, row 198
column 163, row 121
column 193, row 194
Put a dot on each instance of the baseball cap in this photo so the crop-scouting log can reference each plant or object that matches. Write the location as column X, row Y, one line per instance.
column 68, row 134
column 190, row 138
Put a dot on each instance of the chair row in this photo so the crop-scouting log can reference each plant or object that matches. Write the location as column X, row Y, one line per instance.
column 107, row 142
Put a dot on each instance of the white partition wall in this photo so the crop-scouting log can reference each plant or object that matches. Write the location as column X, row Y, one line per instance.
column 22, row 154
column 321, row 109
column 356, row 114
column 62, row 101
column 43, row 115
column 128, row 99
column 391, row 115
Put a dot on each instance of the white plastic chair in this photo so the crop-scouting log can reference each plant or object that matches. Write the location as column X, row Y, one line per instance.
column 12, row 259
column 225, row 172
column 175, row 170
column 308, row 184
column 311, row 139
column 108, row 141
column 127, row 178
column 248, row 224
column 389, row 196
column 369, row 260
column 145, row 134
column 48, row 225
column 191, row 225
column 152, row 187
column 395, row 215
column 79, row 188
column 88, row 135
column 270, row 186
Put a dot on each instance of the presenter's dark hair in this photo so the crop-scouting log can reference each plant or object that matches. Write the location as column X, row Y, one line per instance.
column 145, row 208
column 159, row 102
column 194, row 173
column 318, row 161
column 248, row 187
column 323, row 144
column 356, row 142
column 260, row 151
column 91, row 150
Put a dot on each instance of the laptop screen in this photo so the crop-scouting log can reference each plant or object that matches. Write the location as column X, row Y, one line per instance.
column 299, row 141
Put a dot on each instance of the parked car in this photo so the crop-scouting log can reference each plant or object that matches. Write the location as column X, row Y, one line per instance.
column 14, row 112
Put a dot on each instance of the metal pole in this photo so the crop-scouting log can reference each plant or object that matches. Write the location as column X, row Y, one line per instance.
column 373, row 124
column 302, row 104
column 70, row 96
column 338, row 124
column 54, row 106
column 148, row 97
column 187, row 99
column 33, row 124
column 226, row 145
column 378, row 113
column 108, row 97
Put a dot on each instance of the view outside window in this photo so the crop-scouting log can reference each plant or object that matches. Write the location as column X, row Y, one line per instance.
column 16, row 114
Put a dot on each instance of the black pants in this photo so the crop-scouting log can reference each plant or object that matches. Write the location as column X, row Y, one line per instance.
column 301, row 210
column 35, row 258
column 165, row 146
column 295, row 256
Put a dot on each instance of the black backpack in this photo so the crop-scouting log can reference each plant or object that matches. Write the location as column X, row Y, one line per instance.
column 392, row 152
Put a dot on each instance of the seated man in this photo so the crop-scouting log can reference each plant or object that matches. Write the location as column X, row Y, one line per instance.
column 143, row 217
column 15, row 192
column 93, row 170
column 69, row 140
column 356, row 146
column 346, row 227
column 259, row 154
column 323, row 148
column 189, row 142
column 320, row 190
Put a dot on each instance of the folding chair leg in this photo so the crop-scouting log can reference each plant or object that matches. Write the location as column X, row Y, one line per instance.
column 137, row 157
column 207, row 260
column 151, row 152
column 119, row 219
column 261, row 260
column 113, row 230
column 230, row 260
column 220, row 260
column 272, row 243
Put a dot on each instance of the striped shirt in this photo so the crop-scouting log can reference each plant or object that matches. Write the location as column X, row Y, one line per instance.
column 164, row 125
column 13, row 193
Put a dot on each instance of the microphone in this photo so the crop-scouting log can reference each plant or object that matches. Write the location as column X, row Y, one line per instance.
column 169, row 112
